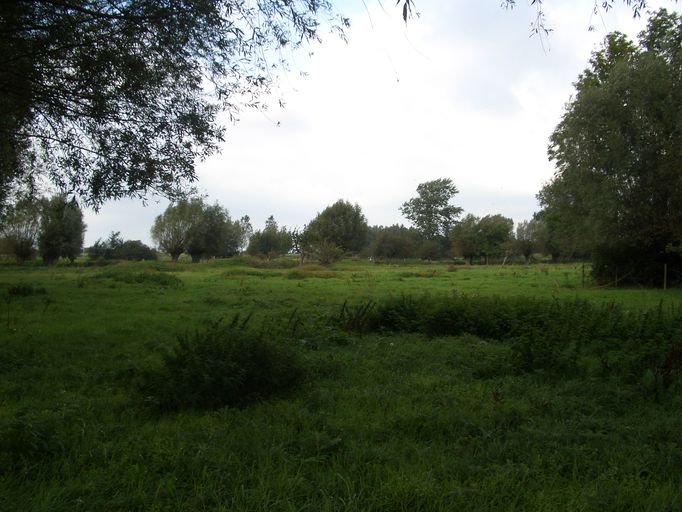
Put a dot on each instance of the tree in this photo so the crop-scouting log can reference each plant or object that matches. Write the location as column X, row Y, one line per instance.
column 214, row 234
column 236, row 236
column 431, row 212
column 20, row 227
column 341, row 224
column 171, row 230
column 115, row 248
column 529, row 238
column 114, row 98
column 466, row 238
column 270, row 242
column 61, row 229
column 617, row 191
column 200, row 230
column 496, row 233
column 394, row 242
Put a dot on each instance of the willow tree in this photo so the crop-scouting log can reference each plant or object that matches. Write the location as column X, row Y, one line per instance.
column 617, row 191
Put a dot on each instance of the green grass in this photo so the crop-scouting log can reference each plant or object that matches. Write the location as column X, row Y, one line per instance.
column 383, row 421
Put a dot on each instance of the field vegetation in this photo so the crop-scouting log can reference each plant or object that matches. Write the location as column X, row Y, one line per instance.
column 255, row 384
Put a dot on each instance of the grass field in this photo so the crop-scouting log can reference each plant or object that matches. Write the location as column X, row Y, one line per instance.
column 384, row 418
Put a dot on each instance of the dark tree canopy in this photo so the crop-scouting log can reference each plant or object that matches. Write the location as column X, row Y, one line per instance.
column 114, row 98
column 617, row 191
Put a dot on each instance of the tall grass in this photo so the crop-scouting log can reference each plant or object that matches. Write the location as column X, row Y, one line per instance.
column 559, row 336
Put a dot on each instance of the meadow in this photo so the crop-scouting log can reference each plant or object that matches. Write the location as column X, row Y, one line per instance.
column 376, row 387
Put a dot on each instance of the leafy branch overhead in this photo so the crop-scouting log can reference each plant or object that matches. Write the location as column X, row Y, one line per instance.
column 114, row 98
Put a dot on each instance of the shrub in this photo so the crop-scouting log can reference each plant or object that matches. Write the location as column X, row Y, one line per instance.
column 25, row 289
column 326, row 252
column 223, row 365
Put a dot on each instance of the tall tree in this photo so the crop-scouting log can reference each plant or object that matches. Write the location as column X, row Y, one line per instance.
column 431, row 211
column 618, row 148
column 61, row 229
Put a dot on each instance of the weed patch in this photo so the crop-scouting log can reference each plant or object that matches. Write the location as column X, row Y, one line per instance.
column 25, row 290
column 558, row 337
column 27, row 438
column 222, row 365
column 149, row 278
column 304, row 273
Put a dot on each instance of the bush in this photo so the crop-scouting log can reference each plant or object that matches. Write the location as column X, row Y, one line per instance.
column 327, row 253
column 25, row 289
column 135, row 250
column 115, row 248
column 223, row 365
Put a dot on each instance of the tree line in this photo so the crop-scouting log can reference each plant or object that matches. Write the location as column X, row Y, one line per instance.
column 53, row 228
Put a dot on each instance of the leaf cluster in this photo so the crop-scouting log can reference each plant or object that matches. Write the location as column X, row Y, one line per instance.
column 114, row 98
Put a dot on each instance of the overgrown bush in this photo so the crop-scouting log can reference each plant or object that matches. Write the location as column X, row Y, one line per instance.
column 223, row 365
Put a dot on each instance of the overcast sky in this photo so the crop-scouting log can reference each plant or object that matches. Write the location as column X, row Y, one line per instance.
column 461, row 92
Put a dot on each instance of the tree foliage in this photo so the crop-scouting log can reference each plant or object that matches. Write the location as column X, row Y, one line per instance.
column 490, row 236
column 61, row 229
column 466, row 238
column 200, row 230
column 530, row 238
column 617, row 191
column 114, row 98
column 431, row 211
column 214, row 234
column 342, row 224
column 496, row 232
column 394, row 242
column 171, row 229
column 19, row 228
column 271, row 241
column 115, row 248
